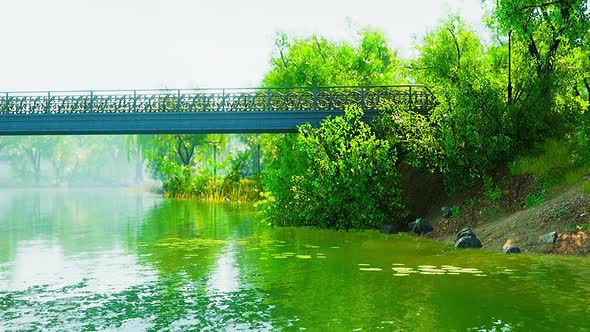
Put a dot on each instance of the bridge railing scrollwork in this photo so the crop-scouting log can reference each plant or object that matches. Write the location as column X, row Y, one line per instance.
column 416, row 98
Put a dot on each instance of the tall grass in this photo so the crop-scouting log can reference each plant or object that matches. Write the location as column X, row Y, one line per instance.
column 553, row 154
column 216, row 190
column 553, row 164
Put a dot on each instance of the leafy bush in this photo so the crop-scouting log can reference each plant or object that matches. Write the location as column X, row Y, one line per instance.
column 556, row 162
column 180, row 180
column 582, row 145
column 534, row 199
column 336, row 176
column 491, row 191
column 455, row 212
column 553, row 154
column 474, row 131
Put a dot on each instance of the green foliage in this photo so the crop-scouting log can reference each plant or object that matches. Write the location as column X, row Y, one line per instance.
column 549, row 58
column 556, row 162
column 336, row 176
column 316, row 61
column 67, row 160
column 165, row 149
column 411, row 134
column 25, row 154
column 554, row 153
column 201, row 167
column 455, row 212
column 234, row 186
column 574, row 228
column 543, row 25
column 341, row 175
column 448, row 54
column 586, row 186
column 491, row 191
column 472, row 131
column 180, row 180
column 535, row 199
column 581, row 150
column 476, row 127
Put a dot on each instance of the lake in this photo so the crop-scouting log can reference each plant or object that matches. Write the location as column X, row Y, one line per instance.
column 111, row 260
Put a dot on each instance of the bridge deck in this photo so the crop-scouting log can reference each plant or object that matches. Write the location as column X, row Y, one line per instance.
column 256, row 110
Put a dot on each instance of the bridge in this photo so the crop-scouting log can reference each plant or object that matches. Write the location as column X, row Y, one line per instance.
column 251, row 110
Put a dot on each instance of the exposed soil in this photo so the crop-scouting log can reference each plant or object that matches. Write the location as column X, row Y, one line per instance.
column 496, row 217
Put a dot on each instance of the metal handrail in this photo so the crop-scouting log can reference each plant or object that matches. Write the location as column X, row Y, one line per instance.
column 416, row 97
column 210, row 89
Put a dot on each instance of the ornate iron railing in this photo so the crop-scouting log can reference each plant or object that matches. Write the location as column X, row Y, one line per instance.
column 416, row 97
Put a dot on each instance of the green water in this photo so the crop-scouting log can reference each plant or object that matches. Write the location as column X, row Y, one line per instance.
column 112, row 260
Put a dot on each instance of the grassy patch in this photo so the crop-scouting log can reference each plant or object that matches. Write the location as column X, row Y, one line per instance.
column 554, row 154
column 455, row 212
column 574, row 228
column 553, row 164
column 534, row 199
column 492, row 191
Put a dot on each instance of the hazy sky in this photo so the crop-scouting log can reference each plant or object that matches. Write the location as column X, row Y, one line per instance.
column 120, row 44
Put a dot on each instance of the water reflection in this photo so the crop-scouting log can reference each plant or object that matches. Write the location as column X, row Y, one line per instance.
column 225, row 276
column 112, row 260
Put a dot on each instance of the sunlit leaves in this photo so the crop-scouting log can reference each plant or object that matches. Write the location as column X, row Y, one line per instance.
column 317, row 61
column 341, row 176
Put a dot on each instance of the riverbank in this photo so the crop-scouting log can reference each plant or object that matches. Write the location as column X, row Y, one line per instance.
column 521, row 209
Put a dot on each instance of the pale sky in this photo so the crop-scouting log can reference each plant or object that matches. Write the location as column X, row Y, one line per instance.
column 138, row 44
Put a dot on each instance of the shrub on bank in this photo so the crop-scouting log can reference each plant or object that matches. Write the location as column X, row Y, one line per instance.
column 339, row 175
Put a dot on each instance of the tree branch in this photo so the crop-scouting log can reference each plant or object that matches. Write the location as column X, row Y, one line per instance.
column 457, row 47
column 319, row 46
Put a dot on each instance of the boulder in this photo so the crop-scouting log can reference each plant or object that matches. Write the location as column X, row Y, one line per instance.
column 549, row 237
column 468, row 242
column 512, row 250
column 389, row 229
column 421, row 226
column 446, row 212
column 464, row 233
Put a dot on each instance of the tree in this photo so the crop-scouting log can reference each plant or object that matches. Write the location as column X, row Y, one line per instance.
column 178, row 149
column 341, row 176
column 136, row 147
column 472, row 131
column 450, row 54
column 26, row 153
column 543, row 25
column 316, row 61
column 67, row 160
column 546, row 35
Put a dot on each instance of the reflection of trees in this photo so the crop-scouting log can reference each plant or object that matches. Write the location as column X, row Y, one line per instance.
column 203, row 265
column 196, row 249
column 81, row 221
column 332, row 293
column 19, row 220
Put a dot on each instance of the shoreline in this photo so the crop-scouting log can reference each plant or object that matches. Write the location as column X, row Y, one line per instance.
column 566, row 212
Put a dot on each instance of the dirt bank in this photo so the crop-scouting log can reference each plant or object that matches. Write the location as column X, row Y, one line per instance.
column 504, row 211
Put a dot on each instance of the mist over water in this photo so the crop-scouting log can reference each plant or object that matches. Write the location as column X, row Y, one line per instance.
column 70, row 161
column 114, row 259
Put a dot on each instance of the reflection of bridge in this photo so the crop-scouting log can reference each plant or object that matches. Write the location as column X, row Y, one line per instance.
column 254, row 110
